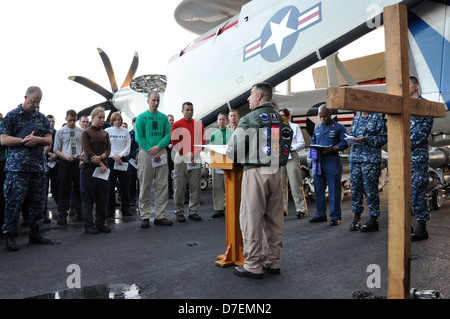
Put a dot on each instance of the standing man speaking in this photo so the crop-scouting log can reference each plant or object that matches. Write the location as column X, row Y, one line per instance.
column 261, row 143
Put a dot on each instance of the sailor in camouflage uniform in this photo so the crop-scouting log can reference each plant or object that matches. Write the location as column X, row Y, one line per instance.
column 25, row 167
column 420, row 130
column 370, row 132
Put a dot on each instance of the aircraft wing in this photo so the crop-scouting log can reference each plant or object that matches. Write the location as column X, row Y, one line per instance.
column 268, row 41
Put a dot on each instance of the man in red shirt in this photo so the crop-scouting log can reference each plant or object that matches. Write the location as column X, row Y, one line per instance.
column 186, row 133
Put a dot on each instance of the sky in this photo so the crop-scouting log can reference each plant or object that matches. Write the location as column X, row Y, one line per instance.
column 44, row 42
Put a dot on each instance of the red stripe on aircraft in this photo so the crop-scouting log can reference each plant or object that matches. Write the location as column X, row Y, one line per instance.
column 313, row 15
column 253, row 48
column 202, row 41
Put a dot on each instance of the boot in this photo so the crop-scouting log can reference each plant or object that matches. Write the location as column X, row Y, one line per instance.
column 421, row 231
column 102, row 228
column 11, row 244
column 356, row 224
column 371, row 225
column 90, row 230
column 218, row 213
column 35, row 237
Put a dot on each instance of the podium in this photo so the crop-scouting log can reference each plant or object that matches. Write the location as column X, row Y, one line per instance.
column 233, row 179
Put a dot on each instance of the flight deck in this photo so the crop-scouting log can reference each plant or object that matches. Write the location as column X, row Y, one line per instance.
column 177, row 262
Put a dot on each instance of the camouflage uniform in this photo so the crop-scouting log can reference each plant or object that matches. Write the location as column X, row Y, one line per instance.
column 420, row 129
column 365, row 159
column 25, row 170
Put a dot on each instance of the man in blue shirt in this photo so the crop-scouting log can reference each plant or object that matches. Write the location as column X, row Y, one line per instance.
column 25, row 131
column 329, row 135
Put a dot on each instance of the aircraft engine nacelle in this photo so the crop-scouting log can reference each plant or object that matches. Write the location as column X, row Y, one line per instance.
column 439, row 157
column 130, row 103
column 438, row 175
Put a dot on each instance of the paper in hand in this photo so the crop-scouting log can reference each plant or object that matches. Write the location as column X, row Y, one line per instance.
column 351, row 140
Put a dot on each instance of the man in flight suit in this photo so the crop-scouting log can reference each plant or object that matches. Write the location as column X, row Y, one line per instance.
column 261, row 143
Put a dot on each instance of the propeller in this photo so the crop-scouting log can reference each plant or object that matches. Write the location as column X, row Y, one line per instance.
column 87, row 111
column 108, row 104
column 131, row 71
column 109, row 69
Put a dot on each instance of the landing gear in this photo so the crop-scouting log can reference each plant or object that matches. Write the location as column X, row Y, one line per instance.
column 437, row 198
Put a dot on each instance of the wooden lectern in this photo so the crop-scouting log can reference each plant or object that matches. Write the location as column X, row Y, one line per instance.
column 233, row 180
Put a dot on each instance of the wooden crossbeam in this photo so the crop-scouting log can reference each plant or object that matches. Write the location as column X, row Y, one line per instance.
column 398, row 106
column 346, row 99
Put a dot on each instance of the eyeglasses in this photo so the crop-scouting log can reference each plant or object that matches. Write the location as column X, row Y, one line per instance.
column 34, row 102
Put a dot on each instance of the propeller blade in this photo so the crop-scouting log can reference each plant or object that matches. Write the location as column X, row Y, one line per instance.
column 131, row 71
column 88, row 110
column 109, row 69
column 113, row 109
column 92, row 85
column 310, row 126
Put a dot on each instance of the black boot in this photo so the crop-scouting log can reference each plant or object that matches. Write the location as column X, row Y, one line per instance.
column 35, row 237
column 102, row 228
column 356, row 224
column 371, row 225
column 11, row 244
column 421, row 231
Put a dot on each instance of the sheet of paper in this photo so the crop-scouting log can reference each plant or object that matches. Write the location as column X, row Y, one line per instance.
column 221, row 149
column 161, row 162
column 319, row 146
column 51, row 164
column 132, row 162
column 351, row 140
column 193, row 166
column 123, row 167
column 98, row 173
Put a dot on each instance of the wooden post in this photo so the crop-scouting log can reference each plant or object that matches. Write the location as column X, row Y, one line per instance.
column 398, row 106
column 399, row 153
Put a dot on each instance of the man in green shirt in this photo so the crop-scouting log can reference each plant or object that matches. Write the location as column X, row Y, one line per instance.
column 153, row 135
column 220, row 137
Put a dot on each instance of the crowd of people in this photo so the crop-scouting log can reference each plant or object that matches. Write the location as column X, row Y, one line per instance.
column 95, row 166
column 370, row 133
column 89, row 164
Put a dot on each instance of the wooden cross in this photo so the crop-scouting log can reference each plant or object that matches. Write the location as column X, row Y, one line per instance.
column 398, row 106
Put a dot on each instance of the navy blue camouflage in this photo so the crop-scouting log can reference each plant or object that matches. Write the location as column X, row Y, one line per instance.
column 419, row 188
column 15, row 189
column 20, row 158
column 365, row 159
column 373, row 127
column 25, row 170
column 420, row 130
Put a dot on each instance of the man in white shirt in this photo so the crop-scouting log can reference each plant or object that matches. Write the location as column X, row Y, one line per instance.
column 68, row 148
column 292, row 171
